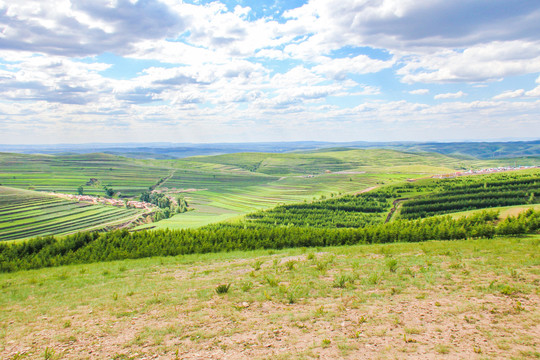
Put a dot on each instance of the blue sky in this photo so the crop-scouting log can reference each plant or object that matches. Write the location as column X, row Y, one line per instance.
column 77, row 71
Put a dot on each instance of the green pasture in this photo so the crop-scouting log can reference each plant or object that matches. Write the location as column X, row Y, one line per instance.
column 230, row 200
column 373, row 160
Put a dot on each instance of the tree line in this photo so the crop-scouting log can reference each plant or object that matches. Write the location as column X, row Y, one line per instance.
column 346, row 211
column 479, row 195
column 167, row 207
column 117, row 245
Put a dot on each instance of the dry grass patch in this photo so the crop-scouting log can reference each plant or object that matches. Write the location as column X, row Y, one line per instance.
column 461, row 299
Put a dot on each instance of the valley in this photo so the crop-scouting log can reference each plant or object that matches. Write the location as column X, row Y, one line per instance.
column 325, row 253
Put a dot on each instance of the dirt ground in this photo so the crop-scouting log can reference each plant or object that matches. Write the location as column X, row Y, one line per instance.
column 442, row 303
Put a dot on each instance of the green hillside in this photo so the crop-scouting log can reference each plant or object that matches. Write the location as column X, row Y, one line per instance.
column 65, row 173
column 412, row 199
column 225, row 187
column 25, row 213
column 341, row 159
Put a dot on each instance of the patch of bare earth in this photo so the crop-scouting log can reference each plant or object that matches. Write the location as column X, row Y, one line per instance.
column 430, row 307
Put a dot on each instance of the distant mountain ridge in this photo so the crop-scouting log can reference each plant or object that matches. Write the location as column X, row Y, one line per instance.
column 479, row 150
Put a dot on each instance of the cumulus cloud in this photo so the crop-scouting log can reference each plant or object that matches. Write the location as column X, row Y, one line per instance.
column 519, row 93
column 333, row 64
column 339, row 68
column 52, row 79
column 437, row 23
column 84, row 27
column 484, row 62
column 511, row 94
column 534, row 92
column 455, row 95
column 419, row 92
column 436, row 41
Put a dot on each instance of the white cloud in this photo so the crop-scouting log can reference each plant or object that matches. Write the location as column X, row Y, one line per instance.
column 399, row 24
column 81, row 27
column 339, row 68
column 241, row 11
column 534, row 92
column 510, row 94
column 455, row 95
column 53, row 79
column 366, row 91
column 484, row 62
column 419, row 92
column 297, row 75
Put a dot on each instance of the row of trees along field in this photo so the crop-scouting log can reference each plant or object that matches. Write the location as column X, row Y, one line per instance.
column 424, row 198
column 115, row 245
column 346, row 211
column 477, row 194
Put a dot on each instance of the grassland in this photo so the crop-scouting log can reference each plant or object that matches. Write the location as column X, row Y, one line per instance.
column 226, row 187
column 233, row 185
column 474, row 299
column 25, row 213
column 504, row 211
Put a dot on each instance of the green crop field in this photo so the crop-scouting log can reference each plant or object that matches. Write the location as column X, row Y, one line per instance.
column 232, row 185
column 65, row 173
column 416, row 199
column 226, row 187
column 25, row 213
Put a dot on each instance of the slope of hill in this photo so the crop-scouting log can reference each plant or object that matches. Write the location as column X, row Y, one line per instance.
column 25, row 213
column 65, row 173
column 338, row 159
column 480, row 150
column 227, row 186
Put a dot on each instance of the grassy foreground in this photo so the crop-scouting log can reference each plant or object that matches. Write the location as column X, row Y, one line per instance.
column 473, row 299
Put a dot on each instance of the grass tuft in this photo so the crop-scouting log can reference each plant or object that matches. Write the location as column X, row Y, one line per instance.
column 223, row 289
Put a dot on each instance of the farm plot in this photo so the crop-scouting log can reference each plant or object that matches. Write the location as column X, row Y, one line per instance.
column 475, row 193
column 66, row 173
column 26, row 213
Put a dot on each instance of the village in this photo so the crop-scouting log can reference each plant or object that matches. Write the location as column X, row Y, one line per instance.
column 109, row 201
column 483, row 171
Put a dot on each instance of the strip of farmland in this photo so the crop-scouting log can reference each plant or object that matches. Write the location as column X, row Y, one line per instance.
column 26, row 213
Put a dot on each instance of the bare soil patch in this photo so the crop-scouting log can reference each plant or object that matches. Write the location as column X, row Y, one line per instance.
column 453, row 300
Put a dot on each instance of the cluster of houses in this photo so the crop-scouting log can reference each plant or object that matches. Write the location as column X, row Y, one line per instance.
column 106, row 201
column 483, row 171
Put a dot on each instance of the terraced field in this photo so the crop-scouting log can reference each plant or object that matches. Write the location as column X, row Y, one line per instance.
column 26, row 213
column 66, row 173
column 228, row 186
column 218, row 200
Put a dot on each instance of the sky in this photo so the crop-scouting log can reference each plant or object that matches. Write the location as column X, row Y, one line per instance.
column 80, row 71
